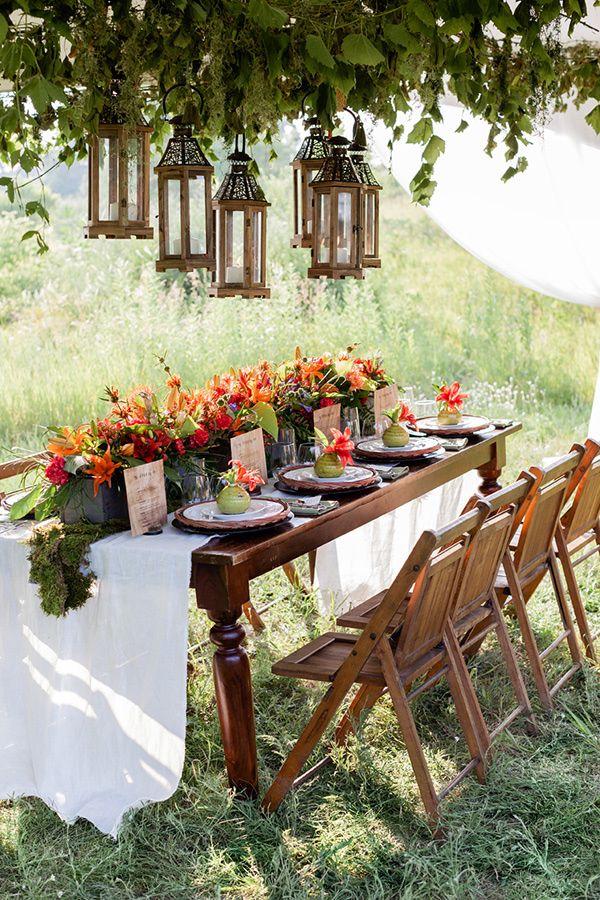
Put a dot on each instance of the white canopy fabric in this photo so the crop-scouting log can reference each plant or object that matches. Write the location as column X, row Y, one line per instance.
column 541, row 228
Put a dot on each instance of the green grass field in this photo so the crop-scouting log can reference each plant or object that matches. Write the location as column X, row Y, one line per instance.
column 93, row 313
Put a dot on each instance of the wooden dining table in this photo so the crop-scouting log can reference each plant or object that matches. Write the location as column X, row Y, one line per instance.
column 222, row 572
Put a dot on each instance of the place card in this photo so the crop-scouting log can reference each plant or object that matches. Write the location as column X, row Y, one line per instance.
column 385, row 398
column 146, row 497
column 327, row 417
column 249, row 448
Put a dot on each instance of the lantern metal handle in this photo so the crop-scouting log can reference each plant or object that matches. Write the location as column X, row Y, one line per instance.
column 180, row 84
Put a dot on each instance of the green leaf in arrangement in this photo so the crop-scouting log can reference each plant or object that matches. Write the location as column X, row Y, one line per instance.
column 24, row 505
column 266, row 15
column 188, row 427
column 3, row 28
column 358, row 49
column 316, row 48
column 266, row 418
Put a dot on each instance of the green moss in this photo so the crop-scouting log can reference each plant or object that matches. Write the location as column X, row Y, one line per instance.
column 59, row 558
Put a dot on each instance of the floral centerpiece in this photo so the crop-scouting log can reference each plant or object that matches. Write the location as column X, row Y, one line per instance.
column 234, row 497
column 450, row 403
column 396, row 434
column 336, row 455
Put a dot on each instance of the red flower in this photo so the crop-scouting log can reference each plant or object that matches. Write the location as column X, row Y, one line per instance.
column 405, row 414
column 249, row 477
column 55, row 471
column 342, row 444
column 223, row 421
column 451, row 396
column 326, row 401
column 180, row 446
column 199, row 438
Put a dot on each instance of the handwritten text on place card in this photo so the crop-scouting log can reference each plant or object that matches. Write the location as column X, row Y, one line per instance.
column 146, row 497
column 249, row 448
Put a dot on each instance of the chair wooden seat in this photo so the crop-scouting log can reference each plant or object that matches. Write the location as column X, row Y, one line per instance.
column 359, row 615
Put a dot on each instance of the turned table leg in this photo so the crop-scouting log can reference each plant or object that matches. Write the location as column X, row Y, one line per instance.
column 235, row 707
column 222, row 593
column 491, row 471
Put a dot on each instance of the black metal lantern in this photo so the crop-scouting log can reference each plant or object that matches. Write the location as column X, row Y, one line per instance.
column 305, row 165
column 185, row 219
column 240, row 227
column 119, row 177
column 337, row 245
column 370, row 194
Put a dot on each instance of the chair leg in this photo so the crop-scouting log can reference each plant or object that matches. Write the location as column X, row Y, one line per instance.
column 575, row 595
column 512, row 665
column 466, row 703
column 253, row 617
column 565, row 613
column 364, row 700
column 409, row 731
column 531, row 647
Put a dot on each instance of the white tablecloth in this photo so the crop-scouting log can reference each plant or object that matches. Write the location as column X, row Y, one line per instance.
column 93, row 705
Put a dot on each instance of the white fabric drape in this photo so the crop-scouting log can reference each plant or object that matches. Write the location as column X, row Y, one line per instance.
column 541, row 228
column 93, row 706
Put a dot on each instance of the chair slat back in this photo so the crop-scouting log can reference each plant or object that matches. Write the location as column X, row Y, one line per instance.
column 483, row 561
column 583, row 513
column 541, row 517
column 434, row 592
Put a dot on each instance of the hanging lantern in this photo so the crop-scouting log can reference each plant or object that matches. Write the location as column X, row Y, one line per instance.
column 305, row 165
column 119, row 177
column 185, row 222
column 337, row 229
column 240, row 225
column 370, row 194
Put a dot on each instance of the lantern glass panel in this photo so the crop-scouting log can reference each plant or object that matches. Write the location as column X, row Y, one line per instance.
column 344, row 228
column 108, row 179
column 309, row 175
column 369, row 223
column 197, row 196
column 234, row 246
column 324, row 230
column 257, row 246
column 174, row 217
column 135, row 173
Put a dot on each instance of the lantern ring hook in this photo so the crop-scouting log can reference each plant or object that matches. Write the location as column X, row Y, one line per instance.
column 180, row 84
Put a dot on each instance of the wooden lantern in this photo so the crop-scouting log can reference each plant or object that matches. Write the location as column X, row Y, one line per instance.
column 240, row 227
column 119, row 178
column 370, row 204
column 305, row 165
column 185, row 222
column 337, row 244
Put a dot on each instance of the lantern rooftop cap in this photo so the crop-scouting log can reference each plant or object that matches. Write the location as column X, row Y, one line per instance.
column 183, row 150
column 337, row 168
column 338, row 142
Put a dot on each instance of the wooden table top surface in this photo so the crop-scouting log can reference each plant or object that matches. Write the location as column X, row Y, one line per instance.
column 287, row 542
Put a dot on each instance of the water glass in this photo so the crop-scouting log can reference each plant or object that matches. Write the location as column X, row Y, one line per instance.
column 198, row 486
column 424, row 408
column 309, row 453
column 350, row 419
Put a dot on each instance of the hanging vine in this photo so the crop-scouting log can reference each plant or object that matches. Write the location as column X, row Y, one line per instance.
column 253, row 62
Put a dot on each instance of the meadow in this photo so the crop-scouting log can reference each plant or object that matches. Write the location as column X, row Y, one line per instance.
column 89, row 314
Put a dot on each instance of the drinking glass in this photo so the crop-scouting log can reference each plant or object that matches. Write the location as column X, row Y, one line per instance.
column 282, row 452
column 424, row 408
column 197, row 486
column 350, row 419
column 309, row 453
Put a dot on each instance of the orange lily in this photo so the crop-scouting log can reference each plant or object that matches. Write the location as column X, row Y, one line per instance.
column 102, row 469
column 68, row 442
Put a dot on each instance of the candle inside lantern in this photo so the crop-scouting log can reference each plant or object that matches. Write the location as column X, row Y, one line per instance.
column 343, row 255
column 234, row 274
column 195, row 246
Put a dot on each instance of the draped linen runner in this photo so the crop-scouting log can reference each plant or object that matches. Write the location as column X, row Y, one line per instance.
column 93, row 705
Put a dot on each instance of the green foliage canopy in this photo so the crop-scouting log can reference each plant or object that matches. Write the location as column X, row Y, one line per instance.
column 255, row 62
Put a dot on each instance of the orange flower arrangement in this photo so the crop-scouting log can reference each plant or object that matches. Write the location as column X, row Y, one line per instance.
column 341, row 443
column 102, row 469
column 450, row 397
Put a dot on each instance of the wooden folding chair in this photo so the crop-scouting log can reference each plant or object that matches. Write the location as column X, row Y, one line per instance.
column 579, row 527
column 376, row 659
column 530, row 558
column 476, row 611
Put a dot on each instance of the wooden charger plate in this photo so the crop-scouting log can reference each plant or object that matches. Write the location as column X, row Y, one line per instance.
column 467, row 425
column 276, row 511
column 322, row 486
column 374, row 448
